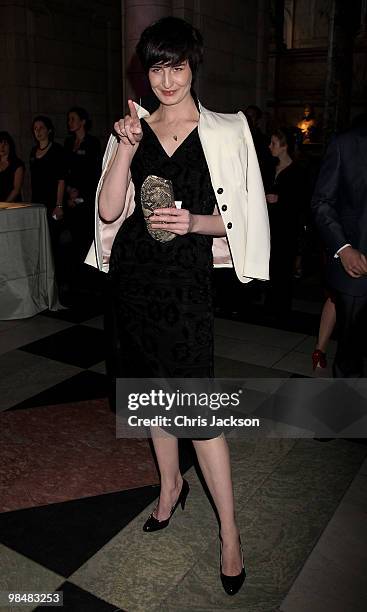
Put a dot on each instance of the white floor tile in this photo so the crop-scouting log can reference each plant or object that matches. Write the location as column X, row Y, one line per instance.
column 6, row 325
column 100, row 368
column 250, row 352
column 308, row 346
column 301, row 363
column 96, row 322
column 333, row 577
column 29, row 331
column 268, row 336
column 23, row 375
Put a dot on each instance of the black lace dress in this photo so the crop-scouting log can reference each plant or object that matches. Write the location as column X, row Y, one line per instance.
column 162, row 291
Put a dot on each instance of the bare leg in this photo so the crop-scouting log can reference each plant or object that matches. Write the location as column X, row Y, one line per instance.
column 327, row 324
column 214, row 461
column 166, row 450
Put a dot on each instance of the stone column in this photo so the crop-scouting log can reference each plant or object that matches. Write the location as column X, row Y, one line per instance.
column 362, row 34
column 136, row 17
column 338, row 85
column 262, row 53
column 359, row 91
column 277, row 48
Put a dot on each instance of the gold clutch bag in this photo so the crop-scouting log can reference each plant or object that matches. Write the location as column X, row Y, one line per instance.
column 157, row 192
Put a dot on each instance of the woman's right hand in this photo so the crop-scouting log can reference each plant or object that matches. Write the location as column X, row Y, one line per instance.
column 129, row 128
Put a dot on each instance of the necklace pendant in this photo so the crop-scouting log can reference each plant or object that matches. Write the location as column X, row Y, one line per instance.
column 174, row 138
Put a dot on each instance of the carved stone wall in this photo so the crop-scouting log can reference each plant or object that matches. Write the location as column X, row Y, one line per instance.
column 54, row 54
column 234, row 73
column 311, row 23
column 57, row 53
column 317, row 51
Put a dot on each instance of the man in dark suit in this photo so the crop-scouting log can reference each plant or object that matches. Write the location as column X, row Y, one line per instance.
column 339, row 205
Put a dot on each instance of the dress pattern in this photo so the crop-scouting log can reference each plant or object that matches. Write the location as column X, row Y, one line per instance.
column 162, row 291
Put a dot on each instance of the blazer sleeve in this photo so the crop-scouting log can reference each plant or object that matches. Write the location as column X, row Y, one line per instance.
column 99, row 253
column 258, row 232
column 324, row 204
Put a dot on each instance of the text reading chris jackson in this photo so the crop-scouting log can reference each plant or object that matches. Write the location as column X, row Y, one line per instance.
column 185, row 421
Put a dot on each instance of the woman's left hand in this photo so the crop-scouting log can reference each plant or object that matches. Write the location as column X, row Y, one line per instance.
column 271, row 198
column 58, row 213
column 175, row 220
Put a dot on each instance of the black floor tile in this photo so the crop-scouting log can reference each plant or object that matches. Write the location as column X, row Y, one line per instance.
column 76, row 599
column 86, row 296
column 86, row 385
column 79, row 345
column 299, row 376
column 61, row 537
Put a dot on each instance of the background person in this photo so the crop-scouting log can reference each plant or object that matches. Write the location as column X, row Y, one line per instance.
column 261, row 141
column 11, row 170
column 339, row 205
column 47, row 167
column 83, row 168
column 287, row 199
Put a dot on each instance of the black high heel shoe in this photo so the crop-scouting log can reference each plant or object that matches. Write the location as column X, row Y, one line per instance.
column 232, row 584
column 153, row 524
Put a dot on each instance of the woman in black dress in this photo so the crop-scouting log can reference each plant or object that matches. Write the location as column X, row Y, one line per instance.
column 287, row 198
column 83, row 169
column 162, row 290
column 47, row 166
column 11, row 170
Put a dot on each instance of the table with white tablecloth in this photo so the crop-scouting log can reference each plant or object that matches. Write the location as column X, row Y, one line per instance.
column 27, row 273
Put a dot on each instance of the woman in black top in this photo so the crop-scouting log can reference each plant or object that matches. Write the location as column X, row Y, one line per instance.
column 47, row 166
column 83, row 160
column 287, row 201
column 11, row 170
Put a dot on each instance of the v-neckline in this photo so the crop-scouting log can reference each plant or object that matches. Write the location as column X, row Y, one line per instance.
column 282, row 170
column 160, row 144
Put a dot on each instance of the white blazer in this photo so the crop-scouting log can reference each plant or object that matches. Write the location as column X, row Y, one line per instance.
column 235, row 175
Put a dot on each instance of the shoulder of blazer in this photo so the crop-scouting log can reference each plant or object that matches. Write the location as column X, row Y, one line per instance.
column 219, row 120
column 227, row 129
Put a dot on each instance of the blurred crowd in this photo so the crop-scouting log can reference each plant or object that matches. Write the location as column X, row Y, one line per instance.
column 64, row 179
column 288, row 177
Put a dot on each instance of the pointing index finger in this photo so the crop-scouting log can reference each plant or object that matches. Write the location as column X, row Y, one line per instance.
column 133, row 113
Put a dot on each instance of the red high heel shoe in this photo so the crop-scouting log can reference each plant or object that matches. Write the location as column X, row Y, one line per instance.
column 318, row 359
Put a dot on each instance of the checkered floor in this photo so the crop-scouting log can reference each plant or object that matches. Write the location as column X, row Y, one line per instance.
column 74, row 498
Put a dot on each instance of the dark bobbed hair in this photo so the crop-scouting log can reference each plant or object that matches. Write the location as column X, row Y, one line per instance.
column 170, row 41
column 83, row 115
column 286, row 136
column 47, row 123
column 5, row 136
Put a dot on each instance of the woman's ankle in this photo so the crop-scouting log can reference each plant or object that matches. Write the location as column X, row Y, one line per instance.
column 229, row 531
column 170, row 486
